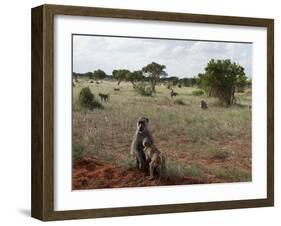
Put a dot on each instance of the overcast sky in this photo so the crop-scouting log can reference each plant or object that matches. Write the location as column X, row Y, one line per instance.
column 182, row 58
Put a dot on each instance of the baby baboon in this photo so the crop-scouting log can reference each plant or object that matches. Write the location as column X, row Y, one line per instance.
column 116, row 89
column 173, row 94
column 104, row 97
column 137, row 143
column 156, row 159
column 204, row 104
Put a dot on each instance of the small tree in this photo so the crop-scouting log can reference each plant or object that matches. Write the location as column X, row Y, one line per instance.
column 120, row 75
column 221, row 78
column 134, row 76
column 154, row 71
column 99, row 74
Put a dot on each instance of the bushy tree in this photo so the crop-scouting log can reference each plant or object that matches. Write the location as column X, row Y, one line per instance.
column 90, row 75
column 221, row 78
column 120, row 75
column 99, row 74
column 87, row 99
column 154, row 71
column 134, row 77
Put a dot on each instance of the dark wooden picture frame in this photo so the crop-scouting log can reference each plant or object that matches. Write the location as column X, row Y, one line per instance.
column 42, row 203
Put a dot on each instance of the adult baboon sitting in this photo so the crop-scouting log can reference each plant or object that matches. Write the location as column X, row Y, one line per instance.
column 104, row 97
column 204, row 104
column 137, row 143
column 156, row 160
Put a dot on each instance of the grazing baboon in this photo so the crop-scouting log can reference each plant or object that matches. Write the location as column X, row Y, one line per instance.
column 204, row 104
column 116, row 89
column 173, row 94
column 137, row 143
column 156, row 160
column 104, row 97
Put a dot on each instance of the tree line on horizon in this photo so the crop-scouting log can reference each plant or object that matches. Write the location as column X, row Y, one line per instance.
column 221, row 78
column 153, row 73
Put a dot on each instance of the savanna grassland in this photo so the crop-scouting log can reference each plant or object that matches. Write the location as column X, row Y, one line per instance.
column 201, row 146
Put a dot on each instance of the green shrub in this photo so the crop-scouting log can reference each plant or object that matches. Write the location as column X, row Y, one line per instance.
column 87, row 99
column 198, row 92
column 193, row 171
column 233, row 175
column 77, row 151
column 174, row 169
column 143, row 89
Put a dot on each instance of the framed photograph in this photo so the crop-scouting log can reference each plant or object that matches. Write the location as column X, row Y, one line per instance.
column 142, row 112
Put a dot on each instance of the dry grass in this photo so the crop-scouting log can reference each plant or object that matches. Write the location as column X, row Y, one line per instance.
column 208, row 144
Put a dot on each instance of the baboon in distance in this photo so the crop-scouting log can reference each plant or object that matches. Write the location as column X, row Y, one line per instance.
column 173, row 94
column 104, row 97
column 204, row 104
column 156, row 160
column 116, row 89
column 137, row 143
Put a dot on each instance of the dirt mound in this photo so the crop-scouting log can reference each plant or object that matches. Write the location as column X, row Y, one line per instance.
column 89, row 173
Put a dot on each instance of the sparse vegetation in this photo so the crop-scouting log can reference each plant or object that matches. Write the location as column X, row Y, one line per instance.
column 233, row 175
column 213, row 145
column 220, row 154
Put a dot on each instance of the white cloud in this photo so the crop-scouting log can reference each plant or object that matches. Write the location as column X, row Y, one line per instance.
column 182, row 58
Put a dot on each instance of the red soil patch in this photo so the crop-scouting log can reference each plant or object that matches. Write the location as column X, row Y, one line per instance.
column 89, row 173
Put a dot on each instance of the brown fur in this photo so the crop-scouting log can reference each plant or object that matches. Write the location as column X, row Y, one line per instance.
column 173, row 94
column 204, row 104
column 104, row 97
column 141, row 133
column 156, row 159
